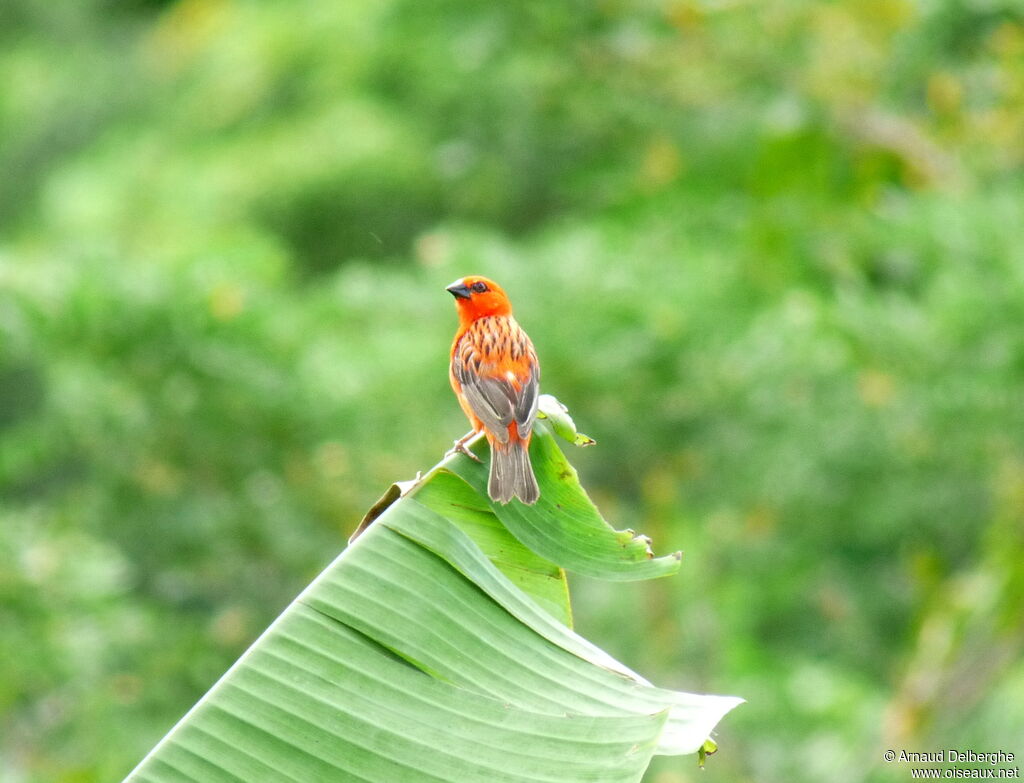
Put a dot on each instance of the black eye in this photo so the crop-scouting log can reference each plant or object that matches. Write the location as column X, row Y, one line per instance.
column 478, row 287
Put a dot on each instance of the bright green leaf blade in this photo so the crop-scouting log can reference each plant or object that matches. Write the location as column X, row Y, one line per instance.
column 541, row 579
column 414, row 657
column 329, row 693
column 564, row 526
column 692, row 716
column 316, row 701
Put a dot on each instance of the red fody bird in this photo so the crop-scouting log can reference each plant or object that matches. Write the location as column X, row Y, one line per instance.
column 495, row 374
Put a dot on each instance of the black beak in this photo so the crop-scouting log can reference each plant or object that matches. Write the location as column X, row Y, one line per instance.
column 459, row 290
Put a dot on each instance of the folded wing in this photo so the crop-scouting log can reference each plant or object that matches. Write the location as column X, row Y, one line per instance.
column 499, row 389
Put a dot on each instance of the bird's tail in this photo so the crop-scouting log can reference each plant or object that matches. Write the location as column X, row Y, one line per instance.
column 511, row 473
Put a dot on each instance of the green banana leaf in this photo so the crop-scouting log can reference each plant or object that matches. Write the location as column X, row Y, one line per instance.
column 564, row 526
column 438, row 647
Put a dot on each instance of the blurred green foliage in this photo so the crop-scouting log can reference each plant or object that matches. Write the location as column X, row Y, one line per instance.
column 770, row 254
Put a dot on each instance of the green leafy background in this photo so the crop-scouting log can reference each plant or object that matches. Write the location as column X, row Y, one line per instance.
column 770, row 253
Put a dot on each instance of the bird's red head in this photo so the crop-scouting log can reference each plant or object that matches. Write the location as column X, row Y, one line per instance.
column 478, row 297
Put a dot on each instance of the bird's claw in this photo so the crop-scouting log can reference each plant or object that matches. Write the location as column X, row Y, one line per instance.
column 461, row 448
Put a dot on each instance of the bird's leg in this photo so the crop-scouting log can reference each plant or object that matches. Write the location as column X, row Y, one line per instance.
column 461, row 448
